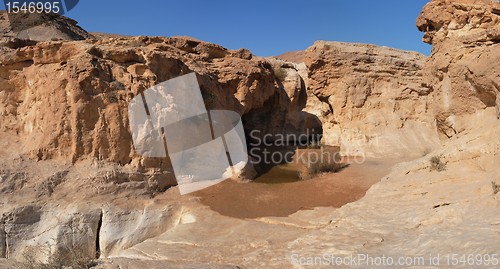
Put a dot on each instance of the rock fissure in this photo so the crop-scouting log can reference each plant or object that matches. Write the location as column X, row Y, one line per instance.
column 98, row 235
column 4, row 247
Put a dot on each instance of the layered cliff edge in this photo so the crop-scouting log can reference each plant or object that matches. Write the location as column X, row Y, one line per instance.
column 372, row 100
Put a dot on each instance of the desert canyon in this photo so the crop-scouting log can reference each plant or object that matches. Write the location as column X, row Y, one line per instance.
column 70, row 179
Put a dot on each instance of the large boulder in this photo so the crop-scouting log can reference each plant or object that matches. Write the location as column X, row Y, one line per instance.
column 462, row 73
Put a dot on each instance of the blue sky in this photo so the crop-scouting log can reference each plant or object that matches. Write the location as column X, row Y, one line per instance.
column 265, row 27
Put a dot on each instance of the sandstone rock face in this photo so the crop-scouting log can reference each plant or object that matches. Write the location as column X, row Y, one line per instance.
column 468, row 21
column 370, row 99
column 68, row 100
column 92, row 228
column 462, row 72
column 292, row 79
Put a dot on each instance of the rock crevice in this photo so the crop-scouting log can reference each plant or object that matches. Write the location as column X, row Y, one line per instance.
column 4, row 248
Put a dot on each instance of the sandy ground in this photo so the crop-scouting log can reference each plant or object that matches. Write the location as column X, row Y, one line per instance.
column 258, row 199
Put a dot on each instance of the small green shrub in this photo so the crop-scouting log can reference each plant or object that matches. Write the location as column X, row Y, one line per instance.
column 426, row 152
column 495, row 187
column 317, row 168
column 315, row 161
column 314, row 145
column 437, row 164
column 280, row 74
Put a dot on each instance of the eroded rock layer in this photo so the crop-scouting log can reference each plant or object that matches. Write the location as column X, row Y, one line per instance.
column 462, row 72
column 370, row 99
column 69, row 100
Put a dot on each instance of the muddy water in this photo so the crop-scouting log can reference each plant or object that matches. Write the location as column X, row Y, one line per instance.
column 289, row 172
column 280, row 192
column 284, row 173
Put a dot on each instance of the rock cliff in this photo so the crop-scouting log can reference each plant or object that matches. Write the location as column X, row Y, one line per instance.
column 68, row 100
column 370, row 99
column 462, row 72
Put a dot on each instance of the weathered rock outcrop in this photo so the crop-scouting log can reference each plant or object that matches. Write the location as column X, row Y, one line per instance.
column 370, row 99
column 292, row 79
column 40, row 27
column 68, row 100
column 462, row 72
column 88, row 227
